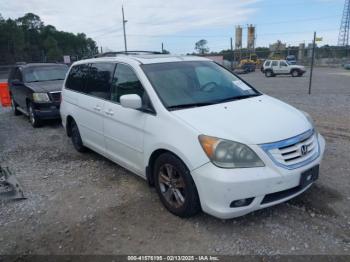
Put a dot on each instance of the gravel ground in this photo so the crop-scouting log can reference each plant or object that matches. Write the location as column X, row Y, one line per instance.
column 85, row 204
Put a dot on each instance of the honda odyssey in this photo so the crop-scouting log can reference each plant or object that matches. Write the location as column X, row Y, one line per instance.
column 203, row 137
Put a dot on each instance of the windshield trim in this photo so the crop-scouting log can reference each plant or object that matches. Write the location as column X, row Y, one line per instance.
column 196, row 104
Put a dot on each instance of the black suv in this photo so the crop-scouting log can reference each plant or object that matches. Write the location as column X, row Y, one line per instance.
column 35, row 90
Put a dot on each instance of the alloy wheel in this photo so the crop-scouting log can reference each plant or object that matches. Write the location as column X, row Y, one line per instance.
column 31, row 115
column 172, row 185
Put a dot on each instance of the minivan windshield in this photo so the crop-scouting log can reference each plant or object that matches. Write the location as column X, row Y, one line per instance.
column 195, row 83
column 45, row 73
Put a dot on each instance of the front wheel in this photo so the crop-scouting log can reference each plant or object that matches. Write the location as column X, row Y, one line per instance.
column 175, row 186
column 33, row 119
column 295, row 73
column 14, row 105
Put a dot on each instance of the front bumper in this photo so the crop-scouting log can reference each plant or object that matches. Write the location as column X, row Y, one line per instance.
column 47, row 111
column 219, row 187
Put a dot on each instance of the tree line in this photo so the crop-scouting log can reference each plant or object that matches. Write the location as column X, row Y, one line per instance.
column 28, row 39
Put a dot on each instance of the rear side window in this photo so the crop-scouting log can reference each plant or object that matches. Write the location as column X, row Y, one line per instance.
column 98, row 82
column 77, row 78
column 282, row 63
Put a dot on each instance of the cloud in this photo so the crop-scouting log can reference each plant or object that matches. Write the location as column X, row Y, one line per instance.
column 147, row 20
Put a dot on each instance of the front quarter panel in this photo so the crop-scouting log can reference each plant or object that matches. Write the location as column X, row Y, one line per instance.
column 164, row 131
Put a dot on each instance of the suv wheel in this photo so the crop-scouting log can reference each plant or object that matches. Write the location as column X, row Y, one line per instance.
column 268, row 73
column 76, row 138
column 14, row 107
column 295, row 73
column 175, row 186
column 33, row 119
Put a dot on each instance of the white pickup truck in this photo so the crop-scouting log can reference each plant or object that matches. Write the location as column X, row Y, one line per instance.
column 281, row 67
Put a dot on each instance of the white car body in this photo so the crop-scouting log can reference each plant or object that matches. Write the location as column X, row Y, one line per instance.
column 282, row 67
column 129, row 137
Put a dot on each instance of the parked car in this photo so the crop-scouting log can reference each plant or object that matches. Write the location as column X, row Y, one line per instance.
column 248, row 67
column 347, row 66
column 205, row 138
column 35, row 90
column 282, row 67
column 291, row 59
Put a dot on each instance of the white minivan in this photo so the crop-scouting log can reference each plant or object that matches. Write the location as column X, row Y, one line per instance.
column 203, row 137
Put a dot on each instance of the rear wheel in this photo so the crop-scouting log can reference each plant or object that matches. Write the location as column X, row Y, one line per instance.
column 76, row 138
column 268, row 73
column 175, row 186
column 14, row 105
column 33, row 118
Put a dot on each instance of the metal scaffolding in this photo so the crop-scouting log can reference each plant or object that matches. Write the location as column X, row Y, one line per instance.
column 343, row 39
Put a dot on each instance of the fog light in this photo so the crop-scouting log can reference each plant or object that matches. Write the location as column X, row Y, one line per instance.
column 242, row 202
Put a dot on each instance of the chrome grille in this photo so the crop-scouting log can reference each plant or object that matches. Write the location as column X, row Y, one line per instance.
column 294, row 152
column 55, row 96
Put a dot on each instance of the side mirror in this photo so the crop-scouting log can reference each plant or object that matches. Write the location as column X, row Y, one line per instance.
column 16, row 82
column 131, row 101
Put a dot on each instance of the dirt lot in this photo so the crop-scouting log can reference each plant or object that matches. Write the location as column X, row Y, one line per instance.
column 83, row 203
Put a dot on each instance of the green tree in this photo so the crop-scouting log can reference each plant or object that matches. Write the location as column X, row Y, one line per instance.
column 201, row 47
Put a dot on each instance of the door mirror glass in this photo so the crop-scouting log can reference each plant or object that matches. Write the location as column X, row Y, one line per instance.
column 16, row 82
column 131, row 101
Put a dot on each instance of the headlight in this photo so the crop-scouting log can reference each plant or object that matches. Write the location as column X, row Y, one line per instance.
column 229, row 154
column 308, row 117
column 41, row 97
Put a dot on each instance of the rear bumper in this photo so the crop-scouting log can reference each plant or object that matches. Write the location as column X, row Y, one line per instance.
column 47, row 110
column 218, row 187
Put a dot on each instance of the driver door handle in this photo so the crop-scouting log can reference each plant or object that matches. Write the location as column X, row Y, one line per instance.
column 109, row 112
column 97, row 108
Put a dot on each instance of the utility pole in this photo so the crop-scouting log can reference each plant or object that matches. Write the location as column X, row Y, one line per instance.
column 124, row 22
column 232, row 55
column 162, row 48
column 312, row 62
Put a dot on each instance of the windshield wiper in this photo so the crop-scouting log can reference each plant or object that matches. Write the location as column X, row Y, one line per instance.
column 235, row 98
column 174, row 107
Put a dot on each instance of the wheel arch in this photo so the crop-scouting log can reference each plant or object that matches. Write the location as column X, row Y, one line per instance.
column 153, row 157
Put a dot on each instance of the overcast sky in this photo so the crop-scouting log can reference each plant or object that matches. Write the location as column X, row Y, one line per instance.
column 179, row 24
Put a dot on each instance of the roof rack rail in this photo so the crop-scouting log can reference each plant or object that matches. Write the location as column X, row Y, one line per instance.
column 137, row 52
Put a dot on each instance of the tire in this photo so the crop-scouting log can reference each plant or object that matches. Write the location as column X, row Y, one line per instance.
column 33, row 118
column 14, row 105
column 295, row 73
column 76, row 138
column 175, row 186
column 269, row 73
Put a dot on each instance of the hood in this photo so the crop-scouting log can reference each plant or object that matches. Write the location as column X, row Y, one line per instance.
column 255, row 120
column 46, row 86
column 297, row 66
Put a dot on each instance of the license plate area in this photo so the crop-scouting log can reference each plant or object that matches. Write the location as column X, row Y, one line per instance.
column 309, row 176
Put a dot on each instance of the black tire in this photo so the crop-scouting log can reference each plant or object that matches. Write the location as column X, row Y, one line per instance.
column 76, row 138
column 33, row 118
column 295, row 73
column 180, row 186
column 269, row 73
column 14, row 105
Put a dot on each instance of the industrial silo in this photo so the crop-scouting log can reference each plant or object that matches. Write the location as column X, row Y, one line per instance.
column 251, row 37
column 238, row 39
